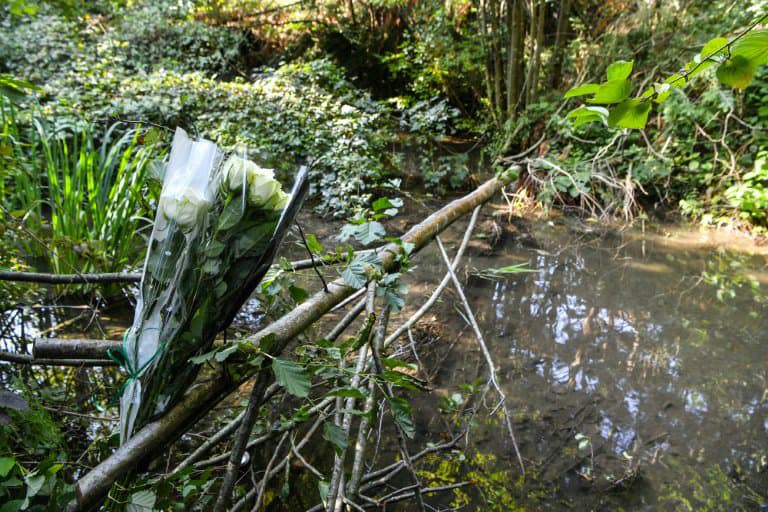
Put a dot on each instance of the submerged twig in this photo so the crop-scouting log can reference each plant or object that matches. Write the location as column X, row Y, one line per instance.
column 486, row 352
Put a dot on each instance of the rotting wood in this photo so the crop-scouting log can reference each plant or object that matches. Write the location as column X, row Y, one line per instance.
column 149, row 442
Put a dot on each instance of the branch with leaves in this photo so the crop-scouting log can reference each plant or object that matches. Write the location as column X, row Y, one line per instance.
column 611, row 103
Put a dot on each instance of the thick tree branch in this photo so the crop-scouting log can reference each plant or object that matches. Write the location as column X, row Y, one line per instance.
column 148, row 442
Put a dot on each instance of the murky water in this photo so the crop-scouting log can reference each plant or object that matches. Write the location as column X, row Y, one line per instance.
column 636, row 366
column 651, row 351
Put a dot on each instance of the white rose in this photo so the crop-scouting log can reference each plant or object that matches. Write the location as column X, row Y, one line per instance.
column 279, row 200
column 234, row 173
column 262, row 186
column 185, row 208
column 263, row 191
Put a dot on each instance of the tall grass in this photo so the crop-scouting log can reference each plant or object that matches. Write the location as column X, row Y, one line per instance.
column 80, row 191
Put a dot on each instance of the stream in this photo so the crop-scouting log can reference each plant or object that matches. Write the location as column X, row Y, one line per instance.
column 634, row 363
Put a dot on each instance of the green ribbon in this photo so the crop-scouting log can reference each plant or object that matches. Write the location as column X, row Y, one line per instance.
column 125, row 362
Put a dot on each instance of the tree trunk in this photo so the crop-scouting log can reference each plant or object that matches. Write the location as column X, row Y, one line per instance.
column 537, row 30
column 563, row 23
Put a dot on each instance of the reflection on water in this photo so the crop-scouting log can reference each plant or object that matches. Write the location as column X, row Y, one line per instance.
column 671, row 343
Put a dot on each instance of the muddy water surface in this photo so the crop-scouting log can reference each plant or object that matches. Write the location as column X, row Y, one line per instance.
column 636, row 364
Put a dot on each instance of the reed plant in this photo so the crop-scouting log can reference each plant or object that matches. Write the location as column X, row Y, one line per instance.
column 82, row 193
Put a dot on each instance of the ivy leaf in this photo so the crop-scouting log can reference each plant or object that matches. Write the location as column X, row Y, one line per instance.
column 34, row 484
column 335, row 435
column 736, row 72
column 753, row 47
column 141, row 501
column 581, row 90
column 612, row 91
column 620, row 70
column 291, row 376
column 630, row 114
column 401, row 410
column 6, row 464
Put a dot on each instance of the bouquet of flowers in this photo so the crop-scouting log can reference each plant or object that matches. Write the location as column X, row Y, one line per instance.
column 218, row 225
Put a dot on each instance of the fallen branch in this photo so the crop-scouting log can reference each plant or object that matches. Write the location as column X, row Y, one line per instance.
column 13, row 357
column 486, row 353
column 125, row 277
column 60, row 348
column 148, row 442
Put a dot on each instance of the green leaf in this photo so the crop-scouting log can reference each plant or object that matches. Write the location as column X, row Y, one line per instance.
column 314, row 246
column 222, row 355
column 736, row 72
column 714, row 47
column 202, row 358
column 369, row 232
column 403, row 380
column 214, row 249
column 584, row 115
column 363, row 337
column 612, row 91
column 12, row 506
column 230, row 215
column 298, row 294
column 34, row 483
column 620, row 70
column 753, row 47
column 323, row 487
column 630, row 114
column 354, row 274
column 581, row 90
column 6, row 464
column 291, row 376
column 401, row 410
column 335, row 435
column 347, row 393
column 141, row 501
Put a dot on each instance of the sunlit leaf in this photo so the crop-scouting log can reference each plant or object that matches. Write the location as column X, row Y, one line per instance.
column 736, row 72
column 582, row 90
column 612, row 91
column 630, row 114
column 714, row 47
column 753, row 47
column 620, row 70
column 584, row 115
column 6, row 464
column 141, row 501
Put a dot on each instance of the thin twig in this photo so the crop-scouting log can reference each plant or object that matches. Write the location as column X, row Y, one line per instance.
column 376, row 347
column 443, row 284
column 486, row 352
column 243, row 432
column 312, row 258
